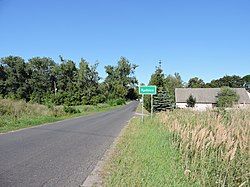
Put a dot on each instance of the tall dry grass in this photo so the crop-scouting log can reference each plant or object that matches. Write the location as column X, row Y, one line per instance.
column 214, row 144
column 19, row 114
column 19, row 108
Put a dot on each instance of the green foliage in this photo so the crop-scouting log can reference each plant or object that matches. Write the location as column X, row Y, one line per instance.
column 120, row 101
column 233, row 81
column 97, row 99
column 163, row 100
column 120, row 79
column 196, row 83
column 41, row 80
column 14, row 77
column 70, row 110
column 132, row 94
column 115, row 102
column 246, row 79
column 247, row 86
column 40, row 70
column 227, row 97
column 171, row 82
column 191, row 101
column 157, row 78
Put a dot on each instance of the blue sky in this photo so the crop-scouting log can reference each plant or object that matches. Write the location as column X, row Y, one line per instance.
column 204, row 38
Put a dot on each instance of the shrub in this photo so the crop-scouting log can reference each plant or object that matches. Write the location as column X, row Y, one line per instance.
column 120, row 101
column 97, row 99
column 84, row 100
column 227, row 97
column 114, row 102
column 71, row 110
column 111, row 102
column 191, row 101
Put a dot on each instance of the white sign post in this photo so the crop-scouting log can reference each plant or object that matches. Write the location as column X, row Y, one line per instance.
column 147, row 90
column 142, row 108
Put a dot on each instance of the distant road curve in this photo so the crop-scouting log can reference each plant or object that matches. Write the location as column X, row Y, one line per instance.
column 60, row 154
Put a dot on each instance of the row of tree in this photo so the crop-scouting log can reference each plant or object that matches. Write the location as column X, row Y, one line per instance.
column 167, row 83
column 41, row 80
column 233, row 81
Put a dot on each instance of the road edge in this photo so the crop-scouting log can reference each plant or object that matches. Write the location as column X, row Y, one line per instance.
column 61, row 120
column 95, row 177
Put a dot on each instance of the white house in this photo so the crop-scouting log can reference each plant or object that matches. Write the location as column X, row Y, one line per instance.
column 206, row 98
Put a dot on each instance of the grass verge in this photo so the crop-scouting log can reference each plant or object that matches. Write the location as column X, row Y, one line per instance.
column 16, row 115
column 144, row 156
column 183, row 148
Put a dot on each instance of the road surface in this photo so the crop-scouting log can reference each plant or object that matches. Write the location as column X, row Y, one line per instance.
column 59, row 154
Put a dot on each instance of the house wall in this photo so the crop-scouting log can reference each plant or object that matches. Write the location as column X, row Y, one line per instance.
column 203, row 106
column 242, row 106
column 198, row 106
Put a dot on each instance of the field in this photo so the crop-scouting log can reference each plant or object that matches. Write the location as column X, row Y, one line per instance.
column 183, row 148
column 19, row 114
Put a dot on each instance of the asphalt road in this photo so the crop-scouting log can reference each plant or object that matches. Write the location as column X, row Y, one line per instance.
column 59, row 154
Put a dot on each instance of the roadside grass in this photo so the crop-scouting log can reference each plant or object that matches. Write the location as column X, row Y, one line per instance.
column 16, row 115
column 139, row 109
column 144, row 156
column 183, row 148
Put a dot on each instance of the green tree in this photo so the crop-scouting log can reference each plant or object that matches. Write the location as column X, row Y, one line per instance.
column 196, row 83
column 246, row 79
column 66, row 83
column 162, row 99
column 120, row 78
column 233, row 81
column 41, row 80
column 227, row 97
column 66, row 75
column 132, row 94
column 87, row 82
column 191, row 101
column 157, row 78
column 14, row 81
column 40, row 70
column 3, row 77
column 172, row 82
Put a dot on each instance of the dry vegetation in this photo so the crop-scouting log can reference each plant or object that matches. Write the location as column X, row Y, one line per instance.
column 17, row 114
column 20, row 108
column 214, row 145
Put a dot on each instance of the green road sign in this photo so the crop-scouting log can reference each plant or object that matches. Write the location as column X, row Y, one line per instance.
column 147, row 90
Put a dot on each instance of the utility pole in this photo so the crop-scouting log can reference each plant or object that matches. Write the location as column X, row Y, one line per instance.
column 55, row 89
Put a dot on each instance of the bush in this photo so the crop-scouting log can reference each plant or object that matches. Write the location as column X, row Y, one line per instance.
column 111, row 102
column 227, row 97
column 115, row 102
column 97, row 99
column 191, row 101
column 71, row 110
column 120, row 101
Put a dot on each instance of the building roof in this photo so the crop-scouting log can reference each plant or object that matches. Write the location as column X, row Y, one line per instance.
column 207, row 95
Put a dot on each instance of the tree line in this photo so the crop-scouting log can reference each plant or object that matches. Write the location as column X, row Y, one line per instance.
column 42, row 80
column 167, row 83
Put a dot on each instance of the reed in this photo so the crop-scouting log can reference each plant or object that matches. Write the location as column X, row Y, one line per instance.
column 214, row 144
